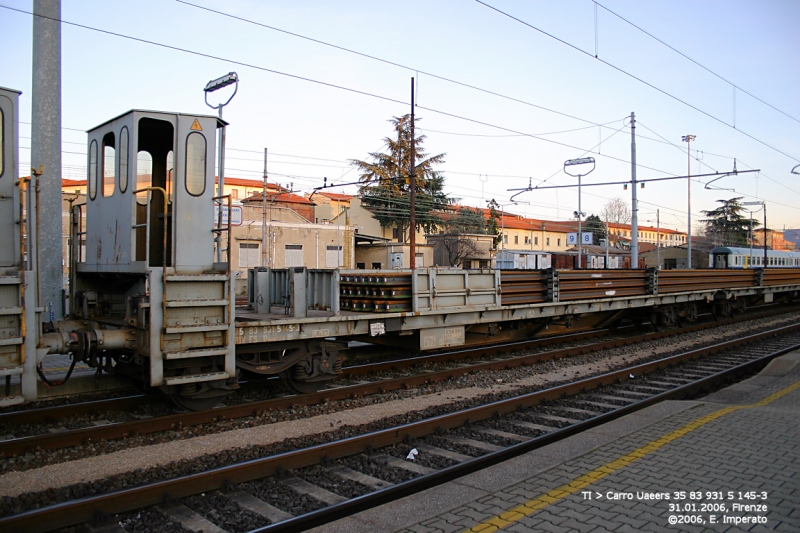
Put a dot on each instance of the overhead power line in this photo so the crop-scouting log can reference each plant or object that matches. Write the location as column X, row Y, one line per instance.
column 640, row 80
column 751, row 95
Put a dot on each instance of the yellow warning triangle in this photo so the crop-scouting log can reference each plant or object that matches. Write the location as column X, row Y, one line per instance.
column 196, row 126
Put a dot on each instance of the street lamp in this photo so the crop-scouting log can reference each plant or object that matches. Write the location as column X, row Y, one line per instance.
column 230, row 78
column 503, row 220
column 764, row 205
column 688, row 140
column 579, row 213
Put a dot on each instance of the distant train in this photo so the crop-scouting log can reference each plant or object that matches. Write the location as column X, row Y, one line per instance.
column 730, row 257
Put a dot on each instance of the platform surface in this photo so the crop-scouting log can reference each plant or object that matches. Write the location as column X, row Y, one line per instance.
column 729, row 462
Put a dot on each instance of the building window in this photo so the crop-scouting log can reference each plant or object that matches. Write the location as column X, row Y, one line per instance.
column 536, row 240
column 516, row 239
column 248, row 255
column 483, row 263
column 234, row 193
column 548, row 241
column 527, row 240
column 559, row 242
column 376, row 266
column 395, row 233
column 361, row 266
column 505, row 238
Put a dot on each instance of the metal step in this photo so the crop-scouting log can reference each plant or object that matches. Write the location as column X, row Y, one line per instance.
column 194, row 378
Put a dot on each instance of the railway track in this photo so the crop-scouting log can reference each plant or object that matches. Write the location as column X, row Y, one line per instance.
column 428, row 369
column 449, row 445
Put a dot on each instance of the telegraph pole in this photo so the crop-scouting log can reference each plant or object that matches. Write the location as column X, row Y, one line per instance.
column 413, row 185
column 634, row 202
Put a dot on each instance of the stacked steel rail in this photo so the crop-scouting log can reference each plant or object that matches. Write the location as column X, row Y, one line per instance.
column 376, row 292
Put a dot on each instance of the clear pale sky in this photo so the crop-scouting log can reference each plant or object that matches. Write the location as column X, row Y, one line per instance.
column 312, row 130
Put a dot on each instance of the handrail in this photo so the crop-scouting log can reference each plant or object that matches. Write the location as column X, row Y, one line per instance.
column 217, row 231
column 163, row 255
column 227, row 229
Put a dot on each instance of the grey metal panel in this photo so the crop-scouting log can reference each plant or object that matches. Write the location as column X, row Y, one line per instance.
column 248, row 332
column 109, row 220
column 9, row 234
column 193, row 216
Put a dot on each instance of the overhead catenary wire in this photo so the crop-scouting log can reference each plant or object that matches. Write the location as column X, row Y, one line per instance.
column 332, row 85
column 210, row 56
column 640, row 80
column 736, row 87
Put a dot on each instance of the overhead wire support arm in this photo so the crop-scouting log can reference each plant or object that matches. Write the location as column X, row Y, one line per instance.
column 717, row 175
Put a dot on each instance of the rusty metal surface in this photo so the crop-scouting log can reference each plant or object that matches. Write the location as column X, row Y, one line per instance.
column 694, row 280
column 519, row 287
column 75, row 512
column 781, row 276
column 591, row 284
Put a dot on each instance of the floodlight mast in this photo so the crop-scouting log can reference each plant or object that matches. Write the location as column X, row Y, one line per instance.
column 230, row 78
column 579, row 213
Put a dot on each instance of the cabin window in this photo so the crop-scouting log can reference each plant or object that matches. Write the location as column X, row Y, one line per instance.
column 196, row 164
column 170, row 173
column 93, row 170
column 123, row 160
column 144, row 175
column 2, row 142
column 109, row 164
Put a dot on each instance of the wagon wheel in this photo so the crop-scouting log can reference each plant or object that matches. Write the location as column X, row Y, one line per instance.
column 298, row 385
column 195, row 404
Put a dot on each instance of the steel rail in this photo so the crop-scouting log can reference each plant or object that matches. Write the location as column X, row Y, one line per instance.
column 84, row 509
column 84, row 436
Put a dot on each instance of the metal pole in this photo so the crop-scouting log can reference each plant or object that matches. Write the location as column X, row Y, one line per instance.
column 689, row 201
column 688, row 140
column 580, row 214
column 607, row 237
column 46, row 150
column 413, row 186
column 634, row 202
column 765, row 234
column 658, row 239
column 221, row 182
column 502, row 229
column 750, row 259
column 264, row 242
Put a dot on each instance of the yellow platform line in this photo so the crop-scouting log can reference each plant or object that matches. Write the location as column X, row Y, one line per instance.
column 540, row 502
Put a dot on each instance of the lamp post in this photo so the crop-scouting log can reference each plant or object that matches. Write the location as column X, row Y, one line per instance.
column 763, row 205
column 230, row 78
column 688, row 140
column 579, row 213
column 503, row 220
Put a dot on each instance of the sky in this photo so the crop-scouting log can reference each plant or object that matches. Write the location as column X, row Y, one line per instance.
column 508, row 100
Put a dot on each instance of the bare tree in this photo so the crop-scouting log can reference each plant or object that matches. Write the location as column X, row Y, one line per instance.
column 616, row 211
column 459, row 247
